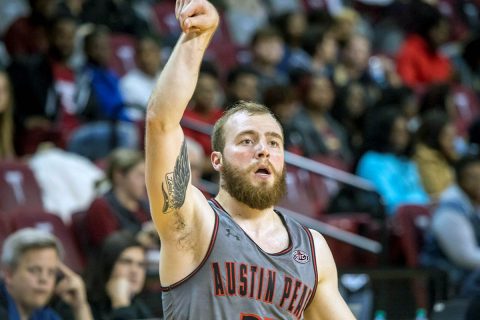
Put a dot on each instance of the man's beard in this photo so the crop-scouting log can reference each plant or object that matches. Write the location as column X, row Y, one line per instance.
column 260, row 197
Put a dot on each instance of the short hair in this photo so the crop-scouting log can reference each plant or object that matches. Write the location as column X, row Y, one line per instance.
column 94, row 33
column 265, row 33
column 248, row 107
column 463, row 163
column 26, row 239
column 122, row 160
column 209, row 68
column 433, row 123
column 239, row 71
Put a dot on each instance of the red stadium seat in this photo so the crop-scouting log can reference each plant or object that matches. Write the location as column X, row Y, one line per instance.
column 346, row 255
column 40, row 219
column 123, row 53
column 78, row 231
column 298, row 198
column 164, row 18
column 18, row 187
column 5, row 229
column 410, row 223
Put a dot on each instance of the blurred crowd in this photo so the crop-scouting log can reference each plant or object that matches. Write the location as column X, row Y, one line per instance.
column 385, row 90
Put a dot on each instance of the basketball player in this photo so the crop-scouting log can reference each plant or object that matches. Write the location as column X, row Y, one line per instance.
column 233, row 257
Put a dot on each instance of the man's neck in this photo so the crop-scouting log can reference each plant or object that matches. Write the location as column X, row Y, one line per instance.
column 252, row 219
column 264, row 227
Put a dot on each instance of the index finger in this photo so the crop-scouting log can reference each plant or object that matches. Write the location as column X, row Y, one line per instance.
column 65, row 270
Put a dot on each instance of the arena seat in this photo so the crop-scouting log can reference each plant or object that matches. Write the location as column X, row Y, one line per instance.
column 123, row 53
column 40, row 219
column 164, row 18
column 297, row 198
column 411, row 223
column 5, row 229
column 18, row 186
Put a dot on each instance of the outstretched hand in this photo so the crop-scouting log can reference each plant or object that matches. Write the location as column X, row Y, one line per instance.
column 198, row 16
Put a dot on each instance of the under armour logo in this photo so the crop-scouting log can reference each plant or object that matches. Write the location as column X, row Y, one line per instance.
column 229, row 233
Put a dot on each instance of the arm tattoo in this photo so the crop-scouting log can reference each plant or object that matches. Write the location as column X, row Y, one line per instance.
column 176, row 182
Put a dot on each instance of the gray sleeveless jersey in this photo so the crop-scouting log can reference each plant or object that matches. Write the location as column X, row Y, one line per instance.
column 238, row 280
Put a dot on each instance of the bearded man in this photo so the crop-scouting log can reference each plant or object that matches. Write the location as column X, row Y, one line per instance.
column 233, row 257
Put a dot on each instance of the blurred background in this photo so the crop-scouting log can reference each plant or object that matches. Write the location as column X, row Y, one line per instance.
column 379, row 100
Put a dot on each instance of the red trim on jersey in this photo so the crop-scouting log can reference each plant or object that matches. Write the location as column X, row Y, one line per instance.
column 284, row 251
column 209, row 251
column 314, row 259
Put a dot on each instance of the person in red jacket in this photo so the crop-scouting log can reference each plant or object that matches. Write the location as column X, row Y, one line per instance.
column 124, row 206
column 419, row 61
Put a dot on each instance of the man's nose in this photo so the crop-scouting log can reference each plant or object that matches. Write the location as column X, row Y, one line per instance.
column 262, row 150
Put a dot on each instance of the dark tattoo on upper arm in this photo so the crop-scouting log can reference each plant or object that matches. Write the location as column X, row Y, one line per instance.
column 177, row 182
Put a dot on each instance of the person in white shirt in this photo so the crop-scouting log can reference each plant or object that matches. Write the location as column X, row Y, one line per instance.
column 139, row 82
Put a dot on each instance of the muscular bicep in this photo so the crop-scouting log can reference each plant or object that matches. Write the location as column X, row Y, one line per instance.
column 327, row 302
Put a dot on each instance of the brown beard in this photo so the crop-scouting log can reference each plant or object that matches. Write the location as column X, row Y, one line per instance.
column 235, row 182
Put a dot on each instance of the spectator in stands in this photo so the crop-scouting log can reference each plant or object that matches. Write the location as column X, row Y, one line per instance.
column 45, row 89
column 124, row 206
column 105, row 83
column 205, row 105
column 453, row 242
column 117, row 277
column 405, row 99
column 467, row 64
column 31, row 261
column 435, row 152
column 440, row 96
column 293, row 26
column 284, row 103
column 350, row 109
column 419, row 61
column 267, row 48
column 353, row 65
column 312, row 129
column 118, row 15
column 386, row 160
column 6, row 118
column 139, row 82
column 242, row 84
column 28, row 35
column 345, row 24
column 111, row 126
column 322, row 46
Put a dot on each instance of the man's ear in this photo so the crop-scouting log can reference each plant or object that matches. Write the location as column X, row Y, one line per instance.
column 216, row 159
column 7, row 274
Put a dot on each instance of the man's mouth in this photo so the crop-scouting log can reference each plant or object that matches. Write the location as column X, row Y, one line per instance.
column 263, row 171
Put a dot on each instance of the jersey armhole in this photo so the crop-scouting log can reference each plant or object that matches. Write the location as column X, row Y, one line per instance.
column 207, row 255
column 315, row 269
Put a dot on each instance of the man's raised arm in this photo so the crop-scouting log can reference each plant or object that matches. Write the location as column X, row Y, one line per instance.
column 172, row 198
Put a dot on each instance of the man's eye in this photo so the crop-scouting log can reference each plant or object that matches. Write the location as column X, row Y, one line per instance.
column 247, row 141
